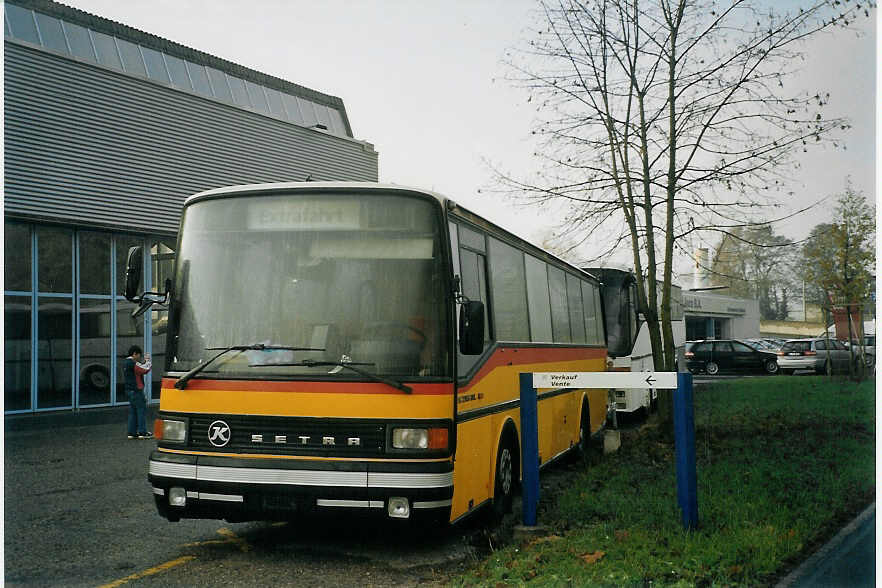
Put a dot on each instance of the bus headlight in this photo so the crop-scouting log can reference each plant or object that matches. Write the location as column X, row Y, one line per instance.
column 170, row 431
column 420, row 438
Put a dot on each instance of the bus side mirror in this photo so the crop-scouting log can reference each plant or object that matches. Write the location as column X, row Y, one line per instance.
column 134, row 261
column 144, row 300
column 471, row 327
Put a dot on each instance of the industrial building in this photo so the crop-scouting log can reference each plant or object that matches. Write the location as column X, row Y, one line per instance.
column 107, row 130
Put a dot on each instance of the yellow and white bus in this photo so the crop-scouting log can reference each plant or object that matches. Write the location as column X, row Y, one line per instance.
column 356, row 347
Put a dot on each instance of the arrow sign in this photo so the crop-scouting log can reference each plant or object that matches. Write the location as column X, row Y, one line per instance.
column 666, row 380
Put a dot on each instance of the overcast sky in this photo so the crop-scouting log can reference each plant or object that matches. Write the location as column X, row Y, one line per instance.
column 421, row 80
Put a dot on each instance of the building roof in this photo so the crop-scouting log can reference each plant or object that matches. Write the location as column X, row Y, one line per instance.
column 144, row 39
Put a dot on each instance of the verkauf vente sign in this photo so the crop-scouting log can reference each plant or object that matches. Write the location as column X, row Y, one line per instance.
column 666, row 380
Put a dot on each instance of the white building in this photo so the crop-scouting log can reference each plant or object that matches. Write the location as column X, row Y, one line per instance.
column 712, row 316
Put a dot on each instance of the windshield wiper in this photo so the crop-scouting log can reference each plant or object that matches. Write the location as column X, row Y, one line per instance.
column 348, row 365
column 182, row 381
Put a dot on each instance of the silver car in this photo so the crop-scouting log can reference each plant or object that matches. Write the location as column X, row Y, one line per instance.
column 824, row 356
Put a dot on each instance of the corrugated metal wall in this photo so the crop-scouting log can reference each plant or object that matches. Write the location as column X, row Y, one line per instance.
column 86, row 145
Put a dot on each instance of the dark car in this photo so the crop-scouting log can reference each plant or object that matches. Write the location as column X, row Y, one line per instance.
column 728, row 355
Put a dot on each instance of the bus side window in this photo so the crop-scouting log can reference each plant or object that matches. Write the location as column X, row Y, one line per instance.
column 474, row 287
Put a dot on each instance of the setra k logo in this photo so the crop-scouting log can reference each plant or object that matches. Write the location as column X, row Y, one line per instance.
column 219, row 433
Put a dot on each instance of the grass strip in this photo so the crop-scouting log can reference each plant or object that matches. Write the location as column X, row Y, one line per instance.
column 782, row 463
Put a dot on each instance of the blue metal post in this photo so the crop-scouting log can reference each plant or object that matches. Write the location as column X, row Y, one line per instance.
column 684, row 439
column 529, row 450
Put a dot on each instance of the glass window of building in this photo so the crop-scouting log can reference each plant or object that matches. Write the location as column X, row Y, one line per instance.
column 162, row 261
column 162, row 264
column 54, row 352
column 54, row 260
column 132, row 61
column 256, row 96
column 155, row 65
column 95, row 351
column 17, row 257
column 21, row 23
column 275, row 103
column 337, row 123
column 177, row 70
column 292, row 108
column 199, row 78
column 51, row 33
column 537, row 297
column 17, row 352
column 219, row 84
column 79, row 41
column 324, row 119
column 94, row 263
column 240, row 94
column 307, row 110
column 105, row 49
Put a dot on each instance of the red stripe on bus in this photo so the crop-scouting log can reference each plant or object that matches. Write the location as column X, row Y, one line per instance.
column 310, row 387
column 511, row 356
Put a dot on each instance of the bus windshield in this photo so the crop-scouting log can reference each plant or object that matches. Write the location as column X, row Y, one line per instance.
column 341, row 278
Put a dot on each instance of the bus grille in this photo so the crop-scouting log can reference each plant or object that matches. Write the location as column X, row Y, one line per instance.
column 292, row 436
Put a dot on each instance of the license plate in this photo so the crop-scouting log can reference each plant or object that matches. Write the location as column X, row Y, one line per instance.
column 795, row 353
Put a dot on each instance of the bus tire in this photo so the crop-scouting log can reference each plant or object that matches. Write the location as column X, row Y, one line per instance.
column 506, row 475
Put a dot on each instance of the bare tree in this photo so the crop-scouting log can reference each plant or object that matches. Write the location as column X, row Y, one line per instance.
column 665, row 118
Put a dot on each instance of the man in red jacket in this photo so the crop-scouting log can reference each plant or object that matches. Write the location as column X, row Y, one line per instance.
column 133, row 372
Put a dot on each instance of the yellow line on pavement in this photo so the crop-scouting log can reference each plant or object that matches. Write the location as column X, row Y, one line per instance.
column 154, row 570
column 233, row 538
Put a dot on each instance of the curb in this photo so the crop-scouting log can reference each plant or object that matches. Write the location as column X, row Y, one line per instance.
column 834, row 543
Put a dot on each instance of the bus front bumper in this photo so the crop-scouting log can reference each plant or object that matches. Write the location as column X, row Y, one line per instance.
column 242, row 489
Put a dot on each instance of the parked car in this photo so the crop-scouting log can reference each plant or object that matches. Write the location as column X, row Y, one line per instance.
column 761, row 344
column 824, row 356
column 869, row 346
column 775, row 343
column 729, row 355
